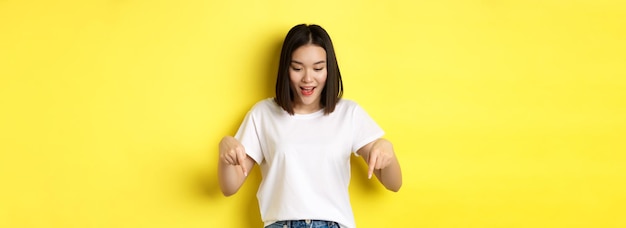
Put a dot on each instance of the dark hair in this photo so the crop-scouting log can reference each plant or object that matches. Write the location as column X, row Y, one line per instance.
column 298, row 36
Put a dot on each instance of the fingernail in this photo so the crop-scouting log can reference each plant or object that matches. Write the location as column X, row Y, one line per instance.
column 369, row 176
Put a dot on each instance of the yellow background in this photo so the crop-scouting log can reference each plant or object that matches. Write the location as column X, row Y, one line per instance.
column 502, row 113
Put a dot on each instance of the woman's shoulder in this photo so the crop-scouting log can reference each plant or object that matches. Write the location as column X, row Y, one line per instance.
column 267, row 104
column 347, row 106
column 347, row 103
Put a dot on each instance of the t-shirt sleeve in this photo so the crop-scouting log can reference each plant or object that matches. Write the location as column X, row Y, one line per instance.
column 248, row 136
column 365, row 129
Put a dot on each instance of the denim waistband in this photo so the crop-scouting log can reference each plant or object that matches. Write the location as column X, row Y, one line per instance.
column 307, row 223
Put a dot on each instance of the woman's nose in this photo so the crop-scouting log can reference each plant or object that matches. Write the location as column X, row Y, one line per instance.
column 307, row 77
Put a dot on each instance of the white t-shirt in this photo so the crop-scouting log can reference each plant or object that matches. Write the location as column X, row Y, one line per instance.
column 305, row 159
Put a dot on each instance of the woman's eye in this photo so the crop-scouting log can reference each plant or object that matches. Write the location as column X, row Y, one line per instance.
column 296, row 69
column 318, row 69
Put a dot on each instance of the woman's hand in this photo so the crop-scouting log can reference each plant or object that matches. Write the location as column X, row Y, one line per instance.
column 382, row 162
column 233, row 153
column 380, row 156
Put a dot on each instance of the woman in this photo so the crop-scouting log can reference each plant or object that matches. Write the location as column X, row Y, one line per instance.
column 303, row 138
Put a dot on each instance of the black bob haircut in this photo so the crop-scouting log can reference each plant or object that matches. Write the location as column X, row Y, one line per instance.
column 298, row 36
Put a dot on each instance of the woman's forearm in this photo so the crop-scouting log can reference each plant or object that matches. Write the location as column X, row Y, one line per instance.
column 230, row 178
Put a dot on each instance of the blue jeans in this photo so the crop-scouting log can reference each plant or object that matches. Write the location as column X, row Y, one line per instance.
column 304, row 224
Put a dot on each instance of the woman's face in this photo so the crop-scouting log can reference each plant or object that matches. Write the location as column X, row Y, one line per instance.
column 307, row 73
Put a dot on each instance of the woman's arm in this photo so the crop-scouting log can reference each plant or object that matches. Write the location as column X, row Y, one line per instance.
column 381, row 160
column 233, row 165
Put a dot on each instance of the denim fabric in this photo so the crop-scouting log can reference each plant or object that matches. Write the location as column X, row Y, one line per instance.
column 304, row 224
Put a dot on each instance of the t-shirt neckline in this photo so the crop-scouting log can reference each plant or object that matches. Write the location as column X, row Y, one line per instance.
column 309, row 115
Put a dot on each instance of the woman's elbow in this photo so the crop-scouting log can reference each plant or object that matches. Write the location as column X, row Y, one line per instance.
column 394, row 187
column 228, row 191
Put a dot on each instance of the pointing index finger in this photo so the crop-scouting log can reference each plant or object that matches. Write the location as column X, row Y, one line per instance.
column 371, row 164
column 240, row 159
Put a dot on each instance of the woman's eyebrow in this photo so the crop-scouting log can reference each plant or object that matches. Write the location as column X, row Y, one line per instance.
column 318, row 62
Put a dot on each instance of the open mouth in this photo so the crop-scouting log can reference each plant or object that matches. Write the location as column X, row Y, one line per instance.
column 307, row 91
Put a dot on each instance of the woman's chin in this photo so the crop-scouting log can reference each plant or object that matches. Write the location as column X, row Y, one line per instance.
column 308, row 101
